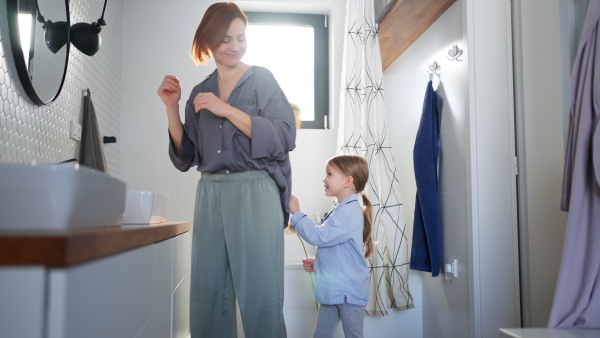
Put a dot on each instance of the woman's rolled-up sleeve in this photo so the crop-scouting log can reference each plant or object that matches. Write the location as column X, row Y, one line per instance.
column 274, row 126
column 189, row 154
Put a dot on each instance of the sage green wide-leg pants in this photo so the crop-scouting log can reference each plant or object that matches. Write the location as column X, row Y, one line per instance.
column 237, row 251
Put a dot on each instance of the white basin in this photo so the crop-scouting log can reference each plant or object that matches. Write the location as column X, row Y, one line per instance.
column 145, row 207
column 58, row 196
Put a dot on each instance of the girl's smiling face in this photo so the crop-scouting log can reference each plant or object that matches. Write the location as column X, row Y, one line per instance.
column 336, row 183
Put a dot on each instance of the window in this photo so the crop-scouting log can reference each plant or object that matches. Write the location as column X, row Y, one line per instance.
column 295, row 48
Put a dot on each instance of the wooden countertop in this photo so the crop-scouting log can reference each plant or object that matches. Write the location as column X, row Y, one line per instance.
column 73, row 246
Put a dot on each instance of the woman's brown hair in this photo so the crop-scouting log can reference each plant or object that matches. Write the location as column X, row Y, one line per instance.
column 357, row 167
column 213, row 28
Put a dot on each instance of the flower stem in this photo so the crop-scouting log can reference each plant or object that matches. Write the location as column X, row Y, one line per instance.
column 311, row 277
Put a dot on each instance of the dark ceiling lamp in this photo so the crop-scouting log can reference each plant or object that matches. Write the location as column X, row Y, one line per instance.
column 56, row 33
column 86, row 37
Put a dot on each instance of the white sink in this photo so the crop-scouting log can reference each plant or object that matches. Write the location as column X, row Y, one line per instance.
column 58, row 196
column 145, row 207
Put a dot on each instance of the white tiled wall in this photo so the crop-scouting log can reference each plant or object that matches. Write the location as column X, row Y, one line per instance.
column 29, row 132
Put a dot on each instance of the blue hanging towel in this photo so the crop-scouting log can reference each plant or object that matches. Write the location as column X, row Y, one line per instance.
column 425, row 253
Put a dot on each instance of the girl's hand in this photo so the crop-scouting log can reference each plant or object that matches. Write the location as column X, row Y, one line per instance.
column 294, row 205
column 211, row 102
column 170, row 91
column 289, row 230
column 309, row 264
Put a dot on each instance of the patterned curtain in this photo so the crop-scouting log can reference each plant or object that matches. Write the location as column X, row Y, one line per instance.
column 363, row 130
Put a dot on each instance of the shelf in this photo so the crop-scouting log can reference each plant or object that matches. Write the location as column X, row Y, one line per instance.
column 404, row 22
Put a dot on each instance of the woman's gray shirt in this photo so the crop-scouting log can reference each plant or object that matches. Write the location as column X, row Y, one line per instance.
column 215, row 145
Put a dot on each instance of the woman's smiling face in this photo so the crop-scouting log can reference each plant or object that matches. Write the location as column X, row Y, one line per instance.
column 233, row 47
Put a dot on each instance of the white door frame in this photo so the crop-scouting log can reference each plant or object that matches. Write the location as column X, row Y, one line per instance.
column 492, row 208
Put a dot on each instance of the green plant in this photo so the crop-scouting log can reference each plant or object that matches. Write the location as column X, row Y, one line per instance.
column 295, row 106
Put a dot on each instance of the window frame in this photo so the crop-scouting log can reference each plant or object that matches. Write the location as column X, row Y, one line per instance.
column 321, row 57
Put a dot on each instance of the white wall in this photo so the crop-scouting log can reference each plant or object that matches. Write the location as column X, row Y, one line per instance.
column 445, row 302
column 477, row 174
column 541, row 151
column 492, row 212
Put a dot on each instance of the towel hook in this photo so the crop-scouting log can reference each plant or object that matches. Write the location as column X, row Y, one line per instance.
column 433, row 68
column 454, row 53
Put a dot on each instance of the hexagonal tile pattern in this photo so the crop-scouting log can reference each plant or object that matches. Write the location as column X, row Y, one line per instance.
column 29, row 132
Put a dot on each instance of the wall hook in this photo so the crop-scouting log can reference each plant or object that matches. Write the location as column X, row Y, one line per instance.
column 454, row 53
column 433, row 68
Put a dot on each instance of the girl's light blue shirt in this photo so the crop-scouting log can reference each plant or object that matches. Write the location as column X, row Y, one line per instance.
column 342, row 274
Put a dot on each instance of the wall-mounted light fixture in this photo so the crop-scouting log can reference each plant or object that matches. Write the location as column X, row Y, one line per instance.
column 56, row 33
column 86, row 37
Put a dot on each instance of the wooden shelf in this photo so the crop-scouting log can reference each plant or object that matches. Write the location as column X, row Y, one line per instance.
column 74, row 246
column 404, row 22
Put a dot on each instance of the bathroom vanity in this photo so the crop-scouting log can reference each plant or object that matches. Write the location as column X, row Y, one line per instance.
column 119, row 281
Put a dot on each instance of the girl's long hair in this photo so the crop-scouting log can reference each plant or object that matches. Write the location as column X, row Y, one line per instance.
column 357, row 167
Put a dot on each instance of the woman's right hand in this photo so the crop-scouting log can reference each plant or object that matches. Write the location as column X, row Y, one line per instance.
column 170, row 91
column 294, row 204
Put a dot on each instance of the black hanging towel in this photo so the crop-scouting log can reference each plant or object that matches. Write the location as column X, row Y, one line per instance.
column 426, row 251
column 91, row 153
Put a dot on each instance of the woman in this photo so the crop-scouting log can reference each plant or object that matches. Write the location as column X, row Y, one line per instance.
column 238, row 131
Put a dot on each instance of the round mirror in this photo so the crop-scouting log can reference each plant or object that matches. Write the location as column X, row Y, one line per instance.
column 39, row 37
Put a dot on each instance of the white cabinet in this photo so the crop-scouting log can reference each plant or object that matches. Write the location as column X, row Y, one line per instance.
column 22, row 302
column 143, row 292
column 182, row 260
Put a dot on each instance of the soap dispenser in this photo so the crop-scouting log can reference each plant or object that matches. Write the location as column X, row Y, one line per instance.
column 318, row 218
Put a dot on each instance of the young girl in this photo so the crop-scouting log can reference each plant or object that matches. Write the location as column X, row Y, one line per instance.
column 343, row 241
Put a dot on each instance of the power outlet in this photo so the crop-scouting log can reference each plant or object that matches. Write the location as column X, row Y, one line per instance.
column 75, row 130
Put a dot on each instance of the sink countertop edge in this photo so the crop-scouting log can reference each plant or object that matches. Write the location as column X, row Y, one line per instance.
column 61, row 248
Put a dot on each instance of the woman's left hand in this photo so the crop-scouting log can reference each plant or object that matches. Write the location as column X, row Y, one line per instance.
column 211, row 102
column 294, row 205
